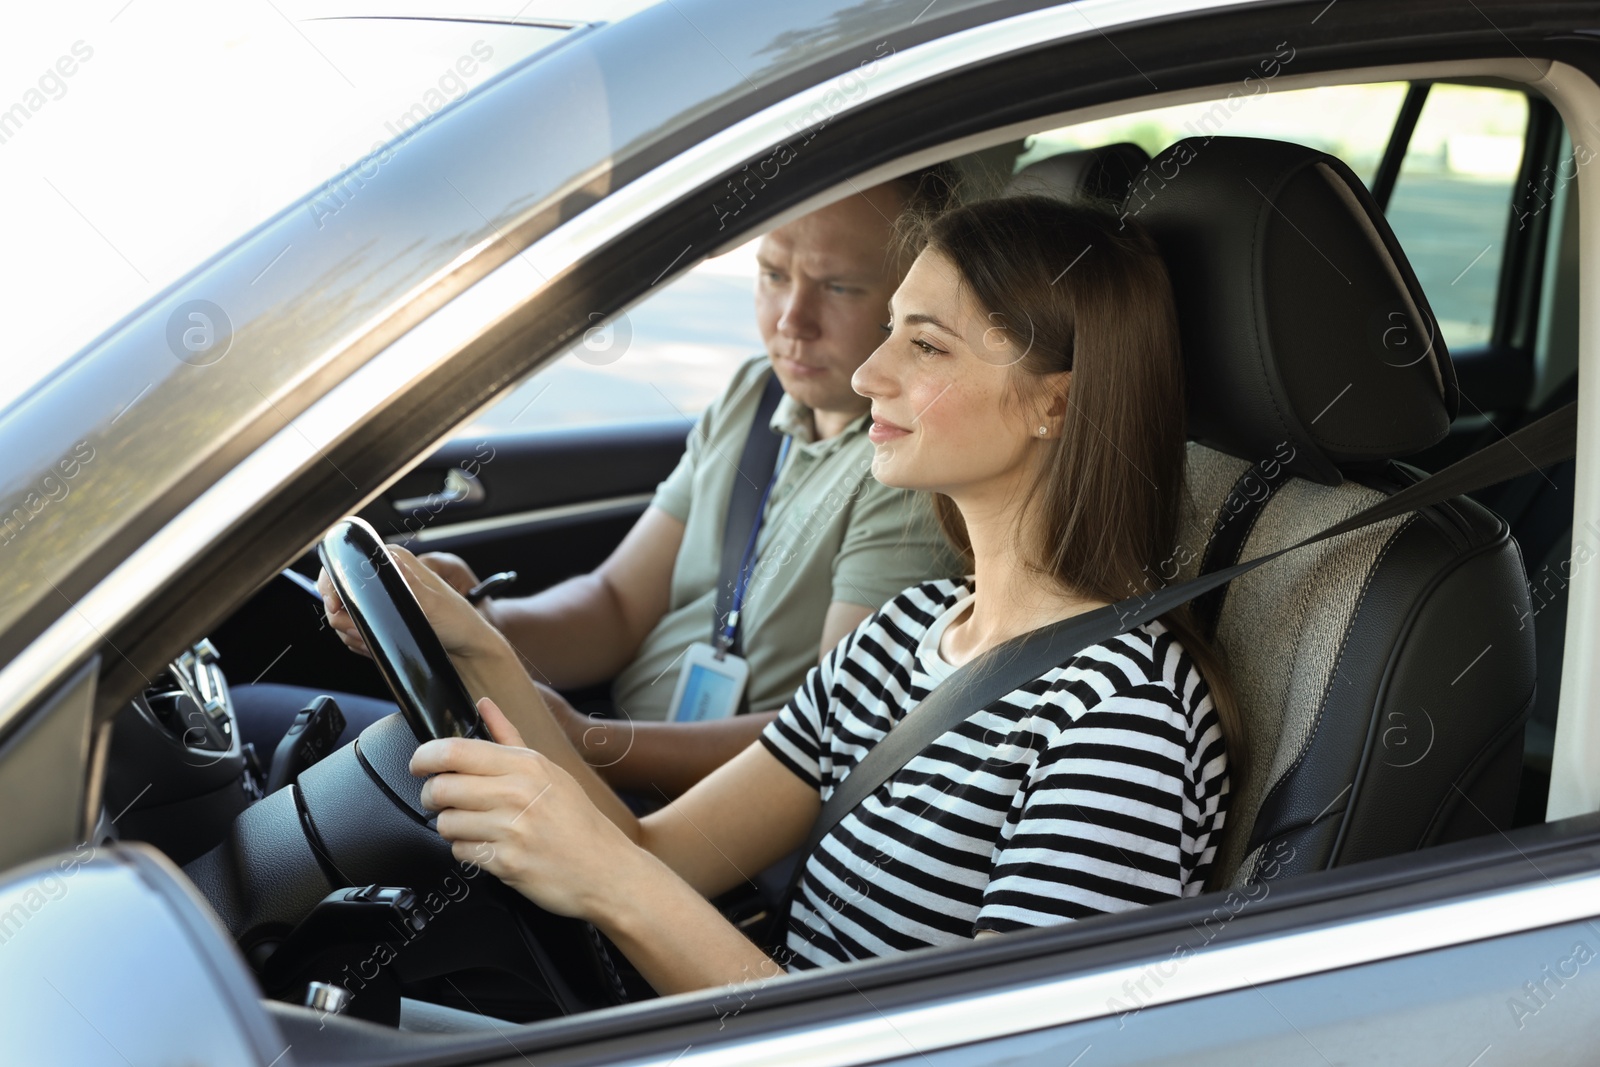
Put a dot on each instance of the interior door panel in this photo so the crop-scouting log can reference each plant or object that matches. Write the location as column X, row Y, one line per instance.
column 554, row 502
column 547, row 504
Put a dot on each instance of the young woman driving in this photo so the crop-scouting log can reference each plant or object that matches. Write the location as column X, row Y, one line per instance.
column 1030, row 376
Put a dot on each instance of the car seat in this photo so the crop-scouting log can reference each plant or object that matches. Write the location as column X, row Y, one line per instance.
column 1383, row 676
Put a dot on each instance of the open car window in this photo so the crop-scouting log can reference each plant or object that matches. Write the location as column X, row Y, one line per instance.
column 1450, row 203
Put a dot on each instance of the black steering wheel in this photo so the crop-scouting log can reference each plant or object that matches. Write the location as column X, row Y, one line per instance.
column 356, row 819
column 403, row 645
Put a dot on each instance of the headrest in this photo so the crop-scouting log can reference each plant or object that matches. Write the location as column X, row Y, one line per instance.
column 1105, row 173
column 1306, row 337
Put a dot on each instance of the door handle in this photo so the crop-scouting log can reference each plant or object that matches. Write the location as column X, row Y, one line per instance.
column 460, row 490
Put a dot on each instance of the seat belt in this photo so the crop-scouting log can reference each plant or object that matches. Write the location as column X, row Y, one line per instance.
column 756, row 465
column 1012, row 664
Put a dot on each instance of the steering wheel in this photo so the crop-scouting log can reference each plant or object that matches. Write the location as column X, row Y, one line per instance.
column 405, row 648
column 281, row 880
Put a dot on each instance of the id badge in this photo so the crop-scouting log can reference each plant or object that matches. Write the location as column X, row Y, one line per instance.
column 708, row 687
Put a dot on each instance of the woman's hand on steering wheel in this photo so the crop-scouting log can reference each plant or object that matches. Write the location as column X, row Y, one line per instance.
column 461, row 627
column 520, row 816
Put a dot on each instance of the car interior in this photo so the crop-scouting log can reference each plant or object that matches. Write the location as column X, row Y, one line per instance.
column 1399, row 682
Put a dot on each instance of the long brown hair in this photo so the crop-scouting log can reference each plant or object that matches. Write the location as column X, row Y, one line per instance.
column 1079, row 289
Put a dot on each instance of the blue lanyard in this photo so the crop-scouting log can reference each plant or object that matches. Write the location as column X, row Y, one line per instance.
column 731, row 626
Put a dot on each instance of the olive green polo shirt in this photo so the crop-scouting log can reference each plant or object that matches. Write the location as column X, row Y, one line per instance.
column 831, row 532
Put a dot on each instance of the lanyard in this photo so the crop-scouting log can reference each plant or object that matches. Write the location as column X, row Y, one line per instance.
column 731, row 625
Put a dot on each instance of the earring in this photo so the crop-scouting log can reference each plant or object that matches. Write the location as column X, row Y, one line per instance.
column 1042, row 431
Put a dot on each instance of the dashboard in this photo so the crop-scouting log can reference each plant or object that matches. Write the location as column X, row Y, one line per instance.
column 177, row 774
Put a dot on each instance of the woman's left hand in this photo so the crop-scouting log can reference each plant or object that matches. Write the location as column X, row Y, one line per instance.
column 520, row 816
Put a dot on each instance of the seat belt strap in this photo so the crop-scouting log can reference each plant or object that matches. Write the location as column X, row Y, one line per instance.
column 1007, row 666
column 756, row 465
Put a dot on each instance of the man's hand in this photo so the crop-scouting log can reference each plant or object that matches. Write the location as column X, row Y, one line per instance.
column 460, row 577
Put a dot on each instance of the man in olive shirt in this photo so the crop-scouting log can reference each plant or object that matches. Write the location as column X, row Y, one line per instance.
column 834, row 544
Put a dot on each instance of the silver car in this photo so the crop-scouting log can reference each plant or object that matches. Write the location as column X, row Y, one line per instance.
column 1423, row 876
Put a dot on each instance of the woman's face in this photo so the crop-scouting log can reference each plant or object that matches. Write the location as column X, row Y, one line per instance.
column 945, row 410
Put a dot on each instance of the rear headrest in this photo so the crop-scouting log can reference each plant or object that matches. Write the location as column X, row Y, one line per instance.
column 1306, row 337
column 1105, row 173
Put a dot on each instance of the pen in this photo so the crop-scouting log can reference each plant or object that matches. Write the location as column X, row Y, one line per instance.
column 491, row 584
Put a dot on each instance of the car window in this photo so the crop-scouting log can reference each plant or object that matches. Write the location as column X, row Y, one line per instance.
column 675, row 351
column 1452, row 201
column 668, row 356
column 1348, row 121
column 672, row 353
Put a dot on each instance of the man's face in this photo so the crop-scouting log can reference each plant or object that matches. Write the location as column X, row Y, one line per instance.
column 822, row 296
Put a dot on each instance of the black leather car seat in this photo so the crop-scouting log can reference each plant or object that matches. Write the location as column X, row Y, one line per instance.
column 1382, row 675
column 1103, row 173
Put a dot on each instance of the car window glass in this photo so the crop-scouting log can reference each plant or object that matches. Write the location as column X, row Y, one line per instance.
column 1452, row 201
column 1348, row 121
column 666, row 357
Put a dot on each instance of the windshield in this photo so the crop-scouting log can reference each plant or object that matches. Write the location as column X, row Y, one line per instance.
column 146, row 141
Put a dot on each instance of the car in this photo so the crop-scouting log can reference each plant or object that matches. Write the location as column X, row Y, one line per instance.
column 1423, row 883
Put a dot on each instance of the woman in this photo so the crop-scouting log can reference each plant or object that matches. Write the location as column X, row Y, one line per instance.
column 1030, row 377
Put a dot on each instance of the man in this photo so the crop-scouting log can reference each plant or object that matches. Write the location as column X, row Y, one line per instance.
column 833, row 546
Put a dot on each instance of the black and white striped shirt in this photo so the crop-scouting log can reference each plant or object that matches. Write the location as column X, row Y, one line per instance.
column 1099, row 787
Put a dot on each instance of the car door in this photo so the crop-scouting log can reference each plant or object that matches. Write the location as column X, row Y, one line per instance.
column 546, row 504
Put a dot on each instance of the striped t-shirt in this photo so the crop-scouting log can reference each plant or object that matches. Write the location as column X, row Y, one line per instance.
column 1098, row 787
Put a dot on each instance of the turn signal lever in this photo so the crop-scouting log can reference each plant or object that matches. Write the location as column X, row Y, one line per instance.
column 311, row 736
